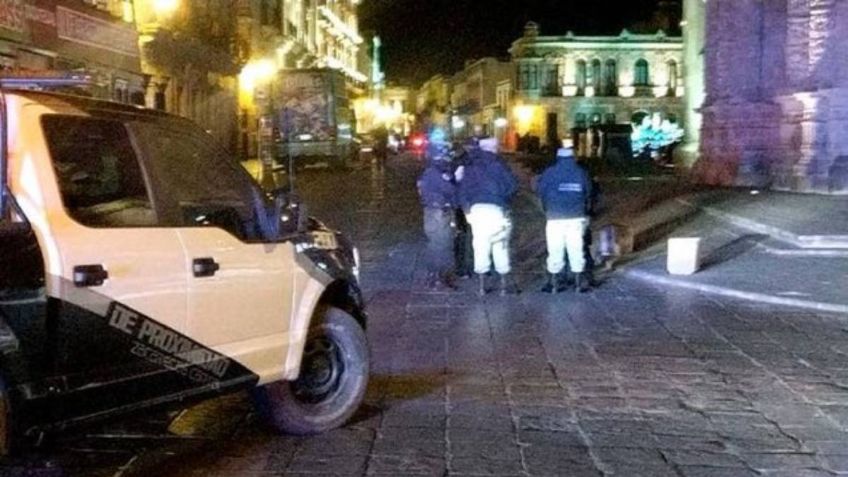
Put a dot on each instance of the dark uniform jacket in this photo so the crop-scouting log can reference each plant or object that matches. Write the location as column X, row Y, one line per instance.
column 435, row 186
column 566, row 190
column 486, row 180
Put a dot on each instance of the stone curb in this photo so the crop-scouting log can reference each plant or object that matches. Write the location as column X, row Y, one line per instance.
column 733, row 293
column 800, row 241
column 642, row 229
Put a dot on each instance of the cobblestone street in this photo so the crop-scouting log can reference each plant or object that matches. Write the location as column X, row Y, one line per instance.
column 629, row 380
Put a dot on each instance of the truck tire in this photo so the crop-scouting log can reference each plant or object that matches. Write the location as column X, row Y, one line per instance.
column 332, row 382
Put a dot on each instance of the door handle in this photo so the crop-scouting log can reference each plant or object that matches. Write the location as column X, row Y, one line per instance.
column 90, row 276
column 205, row 267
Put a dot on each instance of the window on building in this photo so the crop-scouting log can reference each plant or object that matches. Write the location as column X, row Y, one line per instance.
column 638, row 117
column 641, row 76
column 98, row 172
column 596, row 75
column 529, row 77
column 610, row 78
column 672, row 74
column 580, row 120
column 523, row 77
column 159, row 102
column 609, row 118
column 580, row 75
column 551, row 81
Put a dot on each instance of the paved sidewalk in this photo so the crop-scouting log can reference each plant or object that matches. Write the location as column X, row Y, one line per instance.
column 803, row 220
column 741, row 264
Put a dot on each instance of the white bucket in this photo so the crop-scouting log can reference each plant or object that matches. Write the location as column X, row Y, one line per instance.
column 683, row 255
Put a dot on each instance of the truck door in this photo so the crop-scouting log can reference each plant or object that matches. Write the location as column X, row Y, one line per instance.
column 240, row 285
column 116, row 280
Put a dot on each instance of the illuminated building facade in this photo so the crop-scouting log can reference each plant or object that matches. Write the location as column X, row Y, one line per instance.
column 191, row 56
column 433, row 103
column 277, row 35
column 562, row 82
column 776, row 106
column 474, row 97
column 96, row 38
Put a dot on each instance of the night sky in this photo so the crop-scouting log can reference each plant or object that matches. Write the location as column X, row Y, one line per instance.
column 425, row 37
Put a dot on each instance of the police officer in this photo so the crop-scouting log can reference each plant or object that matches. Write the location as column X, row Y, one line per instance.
column 463, row 250
column 566, row 192
column 486, row 189
column 437, row 191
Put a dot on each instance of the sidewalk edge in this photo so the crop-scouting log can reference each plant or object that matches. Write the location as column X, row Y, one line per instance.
column 732, row 293
column 800, row 241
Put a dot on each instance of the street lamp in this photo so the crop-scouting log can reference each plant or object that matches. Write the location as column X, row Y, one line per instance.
column 254, row 85
column 256, row 73
column 165, row 7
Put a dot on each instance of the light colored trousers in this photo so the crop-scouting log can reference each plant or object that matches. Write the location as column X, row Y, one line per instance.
column 491, row 228
column 566, row 235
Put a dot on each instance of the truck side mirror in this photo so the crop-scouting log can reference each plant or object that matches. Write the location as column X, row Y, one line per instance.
column 286, row 212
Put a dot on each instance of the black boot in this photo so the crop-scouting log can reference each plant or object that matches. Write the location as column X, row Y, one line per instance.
column 481, row 284
column 508, row 286
column 583, row 283
column 567, row 279
column 552, row 286
column 449, row 281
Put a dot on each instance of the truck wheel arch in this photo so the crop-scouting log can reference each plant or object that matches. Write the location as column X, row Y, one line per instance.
column 347, row 296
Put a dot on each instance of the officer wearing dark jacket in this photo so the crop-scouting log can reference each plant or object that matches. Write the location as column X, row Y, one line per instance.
column 437, row 191
column 566, row 191
column 462, row 248
column 486, row 188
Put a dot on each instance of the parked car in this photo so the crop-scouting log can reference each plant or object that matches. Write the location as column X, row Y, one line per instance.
column 140, row 267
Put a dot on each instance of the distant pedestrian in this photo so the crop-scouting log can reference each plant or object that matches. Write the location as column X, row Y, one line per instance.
column 437, row 190
column 566, row 191
column 381, row 146
column 486, row 190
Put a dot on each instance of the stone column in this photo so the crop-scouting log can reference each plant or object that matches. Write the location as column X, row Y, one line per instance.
column 694, row 38
column 740, row 125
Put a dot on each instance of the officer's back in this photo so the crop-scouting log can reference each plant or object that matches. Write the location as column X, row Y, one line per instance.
column 565, row 188
column 486, row 180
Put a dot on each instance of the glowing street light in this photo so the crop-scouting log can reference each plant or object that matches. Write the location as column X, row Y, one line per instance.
column 165, row 7
column 256, row 72
column 501, row 122
column 458, row 122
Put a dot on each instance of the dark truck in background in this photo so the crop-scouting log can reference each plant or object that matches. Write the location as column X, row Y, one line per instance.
column 314, row 118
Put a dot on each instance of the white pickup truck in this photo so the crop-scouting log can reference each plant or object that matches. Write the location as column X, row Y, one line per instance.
column 141, row 267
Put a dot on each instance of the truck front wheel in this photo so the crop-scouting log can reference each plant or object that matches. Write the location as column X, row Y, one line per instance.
column 332, row 382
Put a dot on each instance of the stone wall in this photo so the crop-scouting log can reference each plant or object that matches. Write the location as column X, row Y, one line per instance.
column 776, row 111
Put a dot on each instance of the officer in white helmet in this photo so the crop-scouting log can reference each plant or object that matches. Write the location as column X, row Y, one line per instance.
column 486, row 191
column 566, row 191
